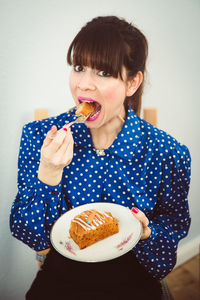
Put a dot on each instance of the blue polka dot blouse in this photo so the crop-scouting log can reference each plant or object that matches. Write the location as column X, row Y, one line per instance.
column 144, row 167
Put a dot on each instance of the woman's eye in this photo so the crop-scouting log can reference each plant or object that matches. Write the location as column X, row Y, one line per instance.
column 104, row 74
column 78, row 68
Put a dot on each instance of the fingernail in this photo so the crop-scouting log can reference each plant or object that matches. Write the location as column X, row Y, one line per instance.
column 65, row 129
column 135, row 210
column 51, row 127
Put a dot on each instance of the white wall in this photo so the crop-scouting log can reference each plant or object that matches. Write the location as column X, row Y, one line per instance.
column 35, row 36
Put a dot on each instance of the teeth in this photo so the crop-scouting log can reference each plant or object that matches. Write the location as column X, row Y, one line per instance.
column 96, row 113
column 86, row 101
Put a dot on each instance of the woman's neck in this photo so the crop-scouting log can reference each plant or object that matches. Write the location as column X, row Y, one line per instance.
column 104, row 136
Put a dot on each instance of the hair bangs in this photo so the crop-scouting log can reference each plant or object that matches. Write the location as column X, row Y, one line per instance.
column 99, row 49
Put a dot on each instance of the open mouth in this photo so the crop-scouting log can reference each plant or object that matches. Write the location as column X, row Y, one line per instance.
column 97, row 108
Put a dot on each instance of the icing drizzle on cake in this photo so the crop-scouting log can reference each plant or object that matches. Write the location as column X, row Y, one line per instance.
column 98, row 219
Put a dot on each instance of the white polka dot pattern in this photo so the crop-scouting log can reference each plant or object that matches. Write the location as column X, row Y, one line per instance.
column 144, row 167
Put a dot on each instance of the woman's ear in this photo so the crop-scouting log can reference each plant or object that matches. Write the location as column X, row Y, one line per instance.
column 134, row 83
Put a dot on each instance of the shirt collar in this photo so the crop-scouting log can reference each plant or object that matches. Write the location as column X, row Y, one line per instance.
column 125, row 143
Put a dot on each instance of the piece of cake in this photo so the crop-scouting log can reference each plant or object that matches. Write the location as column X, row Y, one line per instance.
column 85, row 108
column 91, row 226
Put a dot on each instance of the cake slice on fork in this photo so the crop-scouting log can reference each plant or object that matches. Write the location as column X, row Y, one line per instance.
column 85, row 108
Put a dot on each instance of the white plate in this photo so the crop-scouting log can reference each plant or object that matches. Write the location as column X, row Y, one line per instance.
column 109, row 248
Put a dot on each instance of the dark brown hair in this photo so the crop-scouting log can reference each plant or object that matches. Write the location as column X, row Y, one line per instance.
column 109, row 43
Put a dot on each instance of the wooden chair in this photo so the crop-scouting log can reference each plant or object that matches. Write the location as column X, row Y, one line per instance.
column 150, row 114
column 41, row 113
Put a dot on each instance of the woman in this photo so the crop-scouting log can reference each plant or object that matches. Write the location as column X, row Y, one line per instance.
column 114, row 157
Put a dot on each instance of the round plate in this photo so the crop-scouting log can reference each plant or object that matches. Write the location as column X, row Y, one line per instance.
column 107, row 249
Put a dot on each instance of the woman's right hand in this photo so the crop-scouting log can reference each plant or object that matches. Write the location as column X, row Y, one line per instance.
column 56, row 153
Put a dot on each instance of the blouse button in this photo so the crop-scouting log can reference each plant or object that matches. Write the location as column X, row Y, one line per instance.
column 54, row 193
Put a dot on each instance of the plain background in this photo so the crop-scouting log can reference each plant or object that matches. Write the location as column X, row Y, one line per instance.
column 35, row 36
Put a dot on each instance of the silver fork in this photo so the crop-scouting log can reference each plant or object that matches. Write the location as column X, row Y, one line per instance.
column 80, row 119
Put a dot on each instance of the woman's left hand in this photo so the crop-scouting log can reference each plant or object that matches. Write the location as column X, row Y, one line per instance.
column 144, row 221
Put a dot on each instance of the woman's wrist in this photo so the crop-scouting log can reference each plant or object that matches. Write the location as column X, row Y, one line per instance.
column 49, row 174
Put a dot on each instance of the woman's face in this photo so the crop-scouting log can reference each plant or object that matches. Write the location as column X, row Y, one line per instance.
column 107, row 92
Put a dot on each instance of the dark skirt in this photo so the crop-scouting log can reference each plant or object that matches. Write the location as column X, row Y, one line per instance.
column 120, row 278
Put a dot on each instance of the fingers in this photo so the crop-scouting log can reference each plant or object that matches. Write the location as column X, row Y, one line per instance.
column 57, row 141
column 64, row 154
column 146, row 233
column 144, row 221
column 140, row 216
column 50, row 135
column 57, row 149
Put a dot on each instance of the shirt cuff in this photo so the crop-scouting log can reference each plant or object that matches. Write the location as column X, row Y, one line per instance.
column 47, row 192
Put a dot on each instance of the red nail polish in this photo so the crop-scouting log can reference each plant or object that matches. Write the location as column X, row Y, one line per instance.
column 65, row 129
column 135, row 210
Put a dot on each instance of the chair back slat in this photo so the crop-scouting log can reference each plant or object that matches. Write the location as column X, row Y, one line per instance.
column 40, row 113
column 151, row 115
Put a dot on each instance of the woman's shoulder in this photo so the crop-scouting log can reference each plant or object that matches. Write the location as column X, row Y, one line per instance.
column 41, row 127
column 162, row 141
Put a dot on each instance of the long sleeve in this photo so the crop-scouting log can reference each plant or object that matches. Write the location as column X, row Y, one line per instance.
column 37, row 205
column 171, row 220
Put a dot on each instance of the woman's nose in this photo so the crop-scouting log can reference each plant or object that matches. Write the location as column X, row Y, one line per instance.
column 86, row 81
